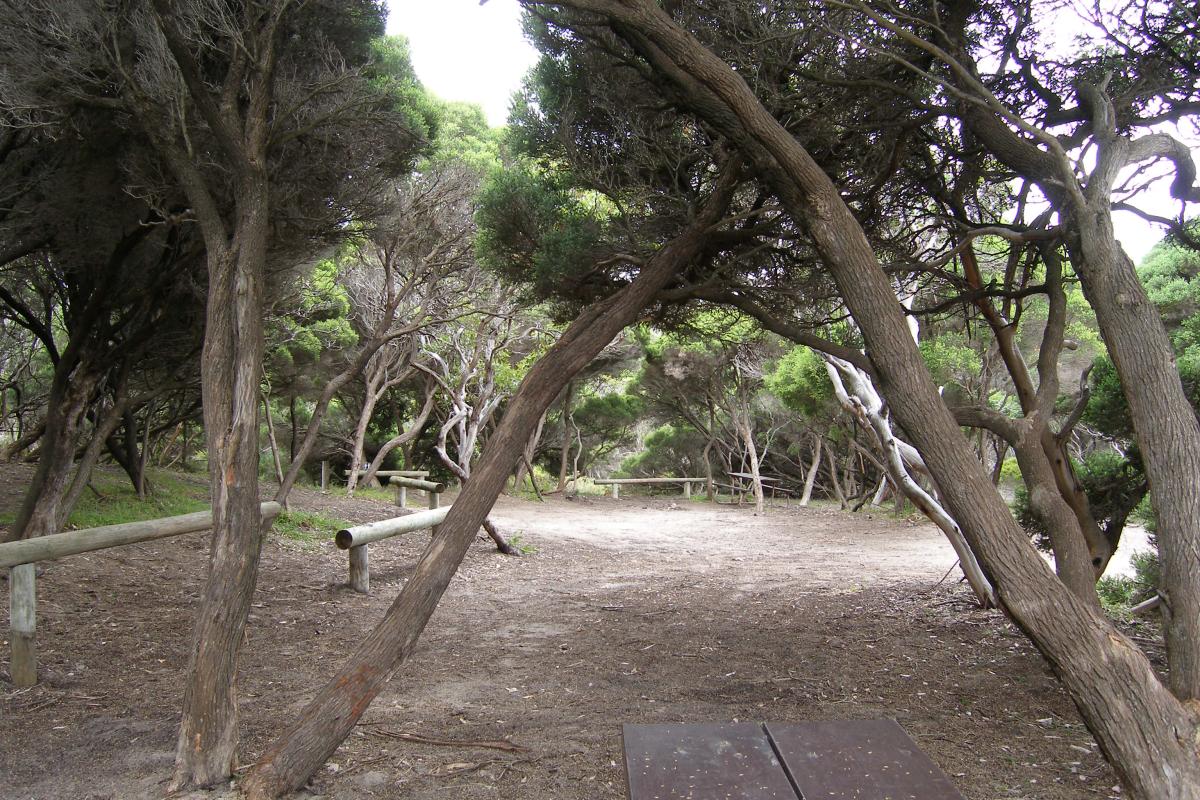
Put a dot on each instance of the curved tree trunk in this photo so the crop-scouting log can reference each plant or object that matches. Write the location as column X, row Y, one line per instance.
column 403, row 438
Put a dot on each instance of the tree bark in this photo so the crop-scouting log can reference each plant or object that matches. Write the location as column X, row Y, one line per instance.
column 811, row 479
column 565, row 456
column 328, row 719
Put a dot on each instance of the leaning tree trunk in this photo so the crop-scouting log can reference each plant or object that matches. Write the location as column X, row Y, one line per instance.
column 811, row 478
column 1149, row 734
column 39, row 513
column 402, row 438
column 1165, row 423
column 329, row 718
column 861, row 400
column 742, row 420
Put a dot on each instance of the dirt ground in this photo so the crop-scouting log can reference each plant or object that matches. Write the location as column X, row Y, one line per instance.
column 638, row 610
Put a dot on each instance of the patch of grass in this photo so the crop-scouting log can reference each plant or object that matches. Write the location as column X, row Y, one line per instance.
column 307, row 527
column 386, row 495
column 518, row 545
column 117, row 502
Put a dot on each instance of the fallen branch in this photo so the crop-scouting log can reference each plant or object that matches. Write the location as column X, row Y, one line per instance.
column 1147, row 605
column 490, row 744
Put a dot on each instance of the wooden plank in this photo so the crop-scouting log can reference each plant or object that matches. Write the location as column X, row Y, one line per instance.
column 858, row 760
column 44, row 548
column 703, row 762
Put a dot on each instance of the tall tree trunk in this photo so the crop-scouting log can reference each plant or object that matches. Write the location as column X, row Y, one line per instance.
column 526, row 465
column 292, row 426
column 567, row 419
column 266, row 403
column 39, row 514
column 206, row 752
column 329, row 718
column 742, row 420
column 1165, row 423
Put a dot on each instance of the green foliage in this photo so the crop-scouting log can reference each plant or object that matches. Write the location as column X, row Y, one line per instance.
column 392, row 74
column 534, row 232
column 1169, row 273
column 464, row 137
column 669, row 453
column 801, row 382
column 1106, row 410
column 1010, row 471
column 950, row 358
column 307, row 527
column 1113, row 484
column 1120, row 593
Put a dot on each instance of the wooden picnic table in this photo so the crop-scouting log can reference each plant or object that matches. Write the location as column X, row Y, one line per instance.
column 835, row 760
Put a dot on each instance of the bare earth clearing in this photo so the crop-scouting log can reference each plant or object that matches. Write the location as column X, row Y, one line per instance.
column 638, row 610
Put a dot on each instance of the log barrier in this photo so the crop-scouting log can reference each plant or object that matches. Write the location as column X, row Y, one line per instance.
column 356, row 538
column 391, row 473
column 616, row 483
column 21, row 556
column 403, row 484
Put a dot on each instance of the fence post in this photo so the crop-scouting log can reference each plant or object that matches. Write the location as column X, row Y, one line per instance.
column 360, row 570
column 22, row 598
column 324, row 476
column 401, row 496
column 435, row 500
column 687, row 489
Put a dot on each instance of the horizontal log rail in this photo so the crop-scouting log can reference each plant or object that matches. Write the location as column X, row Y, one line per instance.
column 604, row 481
column 617, row 483
column 360, row 535
column 402, row 483
column 416, row 483
column 20, row 556
column 356, row 538
column 69, row 543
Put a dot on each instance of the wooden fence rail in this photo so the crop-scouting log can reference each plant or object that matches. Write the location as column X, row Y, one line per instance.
column 356, row 538
column 20, row 557
column 403, row 484
column 617, row 483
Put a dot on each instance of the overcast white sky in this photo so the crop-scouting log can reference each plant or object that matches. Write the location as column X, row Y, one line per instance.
column 464, row 51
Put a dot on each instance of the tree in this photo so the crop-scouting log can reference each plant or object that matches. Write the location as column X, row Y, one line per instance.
column 1134, row 717
column 258, row 122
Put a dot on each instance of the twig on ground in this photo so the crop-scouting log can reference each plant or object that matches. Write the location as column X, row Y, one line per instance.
column 490, row 744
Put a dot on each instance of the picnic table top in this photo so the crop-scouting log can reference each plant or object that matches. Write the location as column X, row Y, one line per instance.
column 835, row 760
